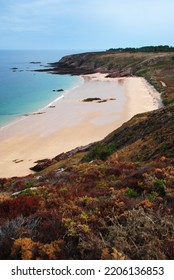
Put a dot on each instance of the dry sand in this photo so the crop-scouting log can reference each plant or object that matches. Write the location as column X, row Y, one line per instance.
column 69, row 122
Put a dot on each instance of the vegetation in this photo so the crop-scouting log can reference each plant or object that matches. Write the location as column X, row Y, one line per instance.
column 99, row 151
column 145, row 49
column 114, row 201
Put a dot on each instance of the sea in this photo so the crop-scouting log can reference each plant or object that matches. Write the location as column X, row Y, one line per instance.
column 22, row 90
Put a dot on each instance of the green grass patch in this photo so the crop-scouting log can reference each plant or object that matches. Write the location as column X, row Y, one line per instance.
column 99, row 151
column 142, row 73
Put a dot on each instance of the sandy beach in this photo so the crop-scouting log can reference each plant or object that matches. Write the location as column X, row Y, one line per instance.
column 70, row 122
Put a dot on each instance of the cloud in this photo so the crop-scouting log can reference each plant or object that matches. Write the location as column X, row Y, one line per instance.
column 38, row 6
column 30, row 15
column 92, row 22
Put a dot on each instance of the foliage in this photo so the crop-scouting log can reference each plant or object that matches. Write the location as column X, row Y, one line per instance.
column 11, row 208
column 19, row 227
column 145, row 49
column 99, row 151
column 167, row 101
column 135, row 239
column 131, row 193
column 26, row 249
column 79, row 219
column 160, row 186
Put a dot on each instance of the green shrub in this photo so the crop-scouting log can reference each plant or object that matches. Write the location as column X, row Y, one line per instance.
column 167, row 101
column 160, row 186
column 29, row 184
column 99, row 151
column 141, row 73
column 163, row 146
column 63, row 190
column 63, row 165
column 131, row 193
column 151, row 196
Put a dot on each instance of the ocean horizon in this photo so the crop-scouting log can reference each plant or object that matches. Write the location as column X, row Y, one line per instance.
column 23, row 91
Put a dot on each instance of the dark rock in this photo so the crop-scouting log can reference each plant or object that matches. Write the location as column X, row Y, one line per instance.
column 102, row 101
column 35, row 62
column 17, row 160
column 58, row 90
column 66, row 155
column 43, row 164
column 90, row 99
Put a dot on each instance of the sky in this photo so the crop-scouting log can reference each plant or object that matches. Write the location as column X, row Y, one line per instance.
column 85, row 24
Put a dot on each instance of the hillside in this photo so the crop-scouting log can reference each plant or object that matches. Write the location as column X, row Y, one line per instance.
column 156, row 67
column 112, row 199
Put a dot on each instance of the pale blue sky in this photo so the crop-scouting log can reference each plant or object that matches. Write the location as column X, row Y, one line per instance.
column 85, row 24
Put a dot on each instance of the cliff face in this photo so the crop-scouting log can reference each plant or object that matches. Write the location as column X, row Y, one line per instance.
column 108, row 61
column 76, row 64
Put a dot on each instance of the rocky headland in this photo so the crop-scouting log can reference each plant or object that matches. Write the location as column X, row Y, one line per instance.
column 156, row 67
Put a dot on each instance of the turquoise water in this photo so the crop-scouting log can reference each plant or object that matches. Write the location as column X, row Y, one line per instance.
column 23, row 91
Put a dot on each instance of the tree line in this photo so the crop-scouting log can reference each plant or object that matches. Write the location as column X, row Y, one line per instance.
column 160, row 48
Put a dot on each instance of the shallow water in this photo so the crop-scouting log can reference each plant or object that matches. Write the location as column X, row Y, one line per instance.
column 23, row 91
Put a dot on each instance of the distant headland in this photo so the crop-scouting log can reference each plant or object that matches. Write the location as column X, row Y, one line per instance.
column 154, row 63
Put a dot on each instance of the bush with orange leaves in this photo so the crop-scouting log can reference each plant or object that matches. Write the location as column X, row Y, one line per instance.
column 27, row 249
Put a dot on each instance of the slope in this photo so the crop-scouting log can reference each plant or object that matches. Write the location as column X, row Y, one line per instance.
column 117, row 206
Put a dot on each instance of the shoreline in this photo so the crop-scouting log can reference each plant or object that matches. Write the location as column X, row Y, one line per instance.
column 70, row 122
column 37, row 111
